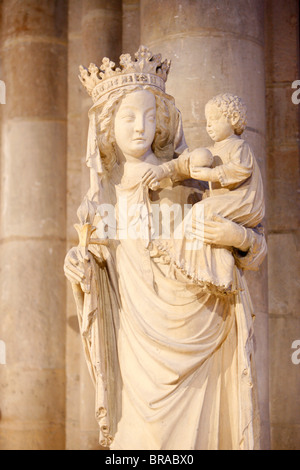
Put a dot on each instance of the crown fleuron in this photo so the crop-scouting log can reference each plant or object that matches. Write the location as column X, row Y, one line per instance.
column 145, row 69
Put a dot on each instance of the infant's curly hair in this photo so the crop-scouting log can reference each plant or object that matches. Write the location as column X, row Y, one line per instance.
column 230, row 104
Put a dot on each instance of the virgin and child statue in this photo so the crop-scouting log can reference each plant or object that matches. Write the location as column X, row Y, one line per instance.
column 165, row 235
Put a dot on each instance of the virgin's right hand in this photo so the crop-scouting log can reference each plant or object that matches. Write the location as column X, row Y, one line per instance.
column 153, row 176
column 76, row 266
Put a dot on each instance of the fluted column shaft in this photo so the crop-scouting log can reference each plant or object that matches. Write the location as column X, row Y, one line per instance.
column 32, row 384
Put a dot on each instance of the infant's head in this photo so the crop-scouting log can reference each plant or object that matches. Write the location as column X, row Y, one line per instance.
column 227, row 106
column 201, row 157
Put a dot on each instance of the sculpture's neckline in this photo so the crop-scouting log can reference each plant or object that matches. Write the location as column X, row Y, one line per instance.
column 124, row 171
column 222, row 143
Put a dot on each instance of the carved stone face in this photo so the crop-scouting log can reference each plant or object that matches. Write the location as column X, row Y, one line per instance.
column 218, row 126
column 135, row 124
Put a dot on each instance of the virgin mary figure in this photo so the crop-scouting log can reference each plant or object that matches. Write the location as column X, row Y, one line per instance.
column 172, row 364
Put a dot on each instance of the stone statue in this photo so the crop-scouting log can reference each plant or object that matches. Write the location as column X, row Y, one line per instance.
column 171, row 359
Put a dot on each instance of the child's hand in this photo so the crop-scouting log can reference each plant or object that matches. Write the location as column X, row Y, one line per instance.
column 153, row 176
column 203, row 174
column 200, row 161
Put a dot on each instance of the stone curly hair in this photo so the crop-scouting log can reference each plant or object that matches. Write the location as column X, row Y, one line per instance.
column 167, row 117
column 230, row 105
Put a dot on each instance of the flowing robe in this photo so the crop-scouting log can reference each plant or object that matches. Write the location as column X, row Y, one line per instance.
column 172, row 365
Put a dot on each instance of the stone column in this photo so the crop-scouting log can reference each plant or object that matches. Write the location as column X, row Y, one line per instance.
column 101, row 37
column 282, row 68
column 1, row 95
column 75, row 158
column 131, row 26
column 33, row 220
column 95, row 31
column 217, row 47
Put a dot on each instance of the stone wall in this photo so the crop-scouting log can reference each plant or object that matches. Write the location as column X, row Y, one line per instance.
column 282, row 68
column 247, row 47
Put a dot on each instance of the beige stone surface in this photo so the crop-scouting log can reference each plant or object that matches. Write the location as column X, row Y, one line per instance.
column 32, row 436
column 75, row 153
column 282, row 115
column 282, row 68
column 33, row 225
column 282, row 49
column 193, row 18
column 284, row 265
column 31, row 18
column 285, row 436
column 285, row 380
column 283, row 201
column 261, row 356
column 96, row 15
column 43, row 143
column 89, row 429
column 257, row 281
column 38, row 388
column 131, row 25
column 33, row 324
column 32, row 94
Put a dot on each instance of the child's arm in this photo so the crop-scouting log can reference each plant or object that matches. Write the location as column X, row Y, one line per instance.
column 239, row 168
column 233, row 173
column 205, row 174
column 155, row 174
column 178, row 168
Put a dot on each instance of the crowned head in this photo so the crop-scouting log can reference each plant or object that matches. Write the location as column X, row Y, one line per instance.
column 142, row 76
column 145, row 69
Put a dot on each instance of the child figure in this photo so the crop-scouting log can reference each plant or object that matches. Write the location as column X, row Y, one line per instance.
column 236, row 192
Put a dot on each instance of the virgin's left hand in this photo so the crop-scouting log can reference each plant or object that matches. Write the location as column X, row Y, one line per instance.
column 221, row 231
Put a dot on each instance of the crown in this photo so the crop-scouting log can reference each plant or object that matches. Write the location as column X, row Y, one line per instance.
column 145, row 69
